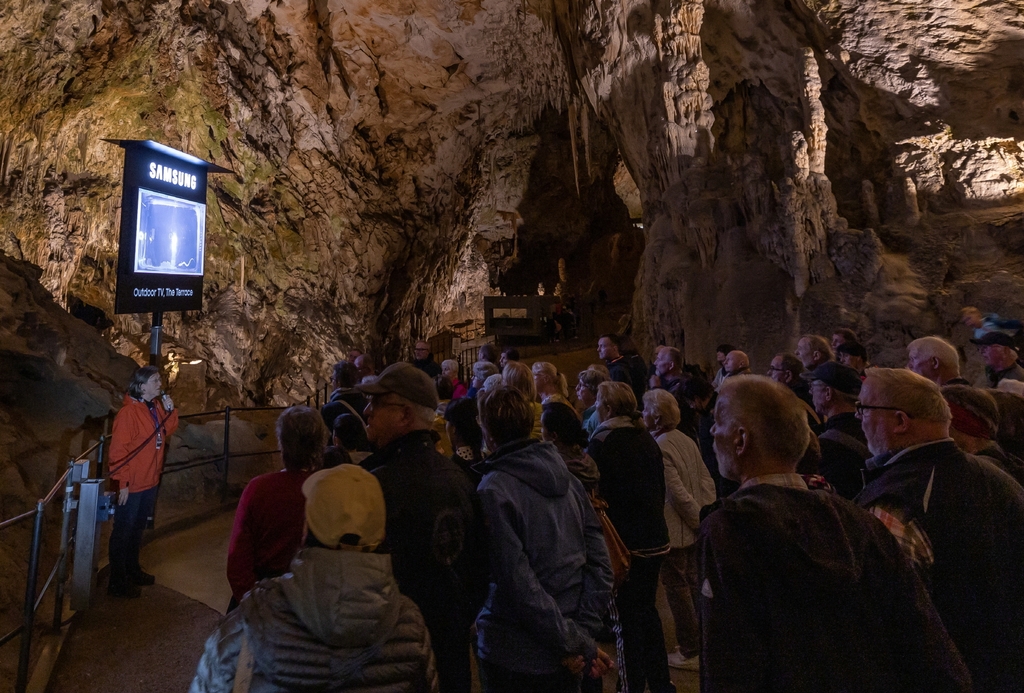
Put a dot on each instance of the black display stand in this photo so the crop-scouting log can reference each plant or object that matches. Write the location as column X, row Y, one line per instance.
column 161, row 254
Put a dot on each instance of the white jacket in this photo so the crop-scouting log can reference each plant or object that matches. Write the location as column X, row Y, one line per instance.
column 688, row 487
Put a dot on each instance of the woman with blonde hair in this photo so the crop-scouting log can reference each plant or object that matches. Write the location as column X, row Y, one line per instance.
column 517, row 376
column 551, row 385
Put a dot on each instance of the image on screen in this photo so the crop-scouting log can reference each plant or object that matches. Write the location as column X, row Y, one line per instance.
column 169, row 235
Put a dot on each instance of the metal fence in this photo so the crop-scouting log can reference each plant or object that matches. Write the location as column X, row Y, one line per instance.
column 58, row 575
column 60, row 567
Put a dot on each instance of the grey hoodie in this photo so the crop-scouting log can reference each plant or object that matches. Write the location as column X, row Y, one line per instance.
column 335, row 623
column 550, row 575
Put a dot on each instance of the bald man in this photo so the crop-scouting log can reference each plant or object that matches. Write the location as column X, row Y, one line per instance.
column 801, row 591
column 736, row 363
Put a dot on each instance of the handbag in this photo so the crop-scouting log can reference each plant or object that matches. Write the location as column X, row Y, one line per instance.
column 618, row 554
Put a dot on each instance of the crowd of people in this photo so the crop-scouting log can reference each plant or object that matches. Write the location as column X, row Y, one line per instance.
column 829, row 526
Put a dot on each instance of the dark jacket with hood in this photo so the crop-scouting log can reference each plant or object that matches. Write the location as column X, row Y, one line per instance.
column 972, row 515
column 801, row 591
column 551, row 578
column 335, row 623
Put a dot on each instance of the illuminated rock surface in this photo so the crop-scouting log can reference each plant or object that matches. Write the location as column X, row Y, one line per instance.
column 799, row 165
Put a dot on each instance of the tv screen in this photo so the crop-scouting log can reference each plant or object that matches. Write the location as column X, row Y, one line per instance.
column 170, row 235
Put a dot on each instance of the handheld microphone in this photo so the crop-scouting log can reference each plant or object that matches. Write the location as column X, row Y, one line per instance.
column 167, row 401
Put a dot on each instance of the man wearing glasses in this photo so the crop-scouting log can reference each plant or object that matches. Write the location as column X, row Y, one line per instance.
column 424, row 360
column 801, row 591
column 960, row 520
column 434, row 528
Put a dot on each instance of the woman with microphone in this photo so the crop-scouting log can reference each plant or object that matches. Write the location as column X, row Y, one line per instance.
column 137, row 448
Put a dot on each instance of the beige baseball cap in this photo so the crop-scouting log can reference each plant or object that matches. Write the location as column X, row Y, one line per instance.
column 345, row 507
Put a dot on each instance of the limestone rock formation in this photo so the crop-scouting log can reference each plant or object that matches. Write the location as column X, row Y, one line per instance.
column 809, row 164
column 798, row 163
column 360, row 136
column 59, row 383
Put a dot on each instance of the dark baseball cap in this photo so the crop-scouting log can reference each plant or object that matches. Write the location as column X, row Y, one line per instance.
column 405, row 380
column 1000, row 338
column 837, row 376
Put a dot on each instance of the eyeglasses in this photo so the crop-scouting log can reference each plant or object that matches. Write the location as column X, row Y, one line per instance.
column 861, row 408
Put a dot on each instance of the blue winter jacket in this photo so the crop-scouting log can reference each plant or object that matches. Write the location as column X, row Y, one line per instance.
column 551, row 578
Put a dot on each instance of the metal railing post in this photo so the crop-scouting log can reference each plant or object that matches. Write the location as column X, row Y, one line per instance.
column 62, row 558
column 99, row 456
column 227, row 453
column 318, row 397
column 30, row 600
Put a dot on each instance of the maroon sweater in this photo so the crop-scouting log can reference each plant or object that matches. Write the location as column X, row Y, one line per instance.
column 268, row 529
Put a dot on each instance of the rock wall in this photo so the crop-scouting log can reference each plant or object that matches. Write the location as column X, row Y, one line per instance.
column 59, row 383
column 805, row 165
column 799, row 164
column 361, row 136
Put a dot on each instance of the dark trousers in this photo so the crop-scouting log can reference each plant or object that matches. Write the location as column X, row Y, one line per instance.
column 126, row 537
column 642, row 656
column 450, row 640
column 501, row 680
column 679, row 576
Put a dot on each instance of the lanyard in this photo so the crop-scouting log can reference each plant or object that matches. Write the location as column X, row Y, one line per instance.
column 156, row 423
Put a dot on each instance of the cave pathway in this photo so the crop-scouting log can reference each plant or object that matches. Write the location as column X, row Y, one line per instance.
column 152, row 644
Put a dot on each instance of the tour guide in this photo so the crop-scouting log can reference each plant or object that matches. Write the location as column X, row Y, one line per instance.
column 137, row 448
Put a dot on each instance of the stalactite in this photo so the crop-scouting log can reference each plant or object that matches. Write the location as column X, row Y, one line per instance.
column 573, row 124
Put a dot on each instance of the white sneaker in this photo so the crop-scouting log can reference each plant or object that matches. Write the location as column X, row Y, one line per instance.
column 676, row 660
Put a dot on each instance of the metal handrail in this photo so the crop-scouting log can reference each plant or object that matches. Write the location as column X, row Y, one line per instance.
column 221, row 411
column 45, row 500
column 58, row 574
column 88, row 452
column 15, row 520
column 56, row 487
column 32, row 600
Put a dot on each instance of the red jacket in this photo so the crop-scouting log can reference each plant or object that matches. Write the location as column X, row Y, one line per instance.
column 268, row 527
column 132, row 426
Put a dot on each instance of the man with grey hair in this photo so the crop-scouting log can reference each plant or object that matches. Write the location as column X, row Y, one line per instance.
column 935, row 359
column 434, row 525
column 999, row 352
column 957, row 518
column 668, row 369
column 801, row 591
column 813, row 350
column 834, row 390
